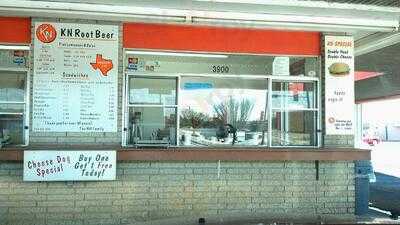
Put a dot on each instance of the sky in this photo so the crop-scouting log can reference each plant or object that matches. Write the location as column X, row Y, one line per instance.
column 382, row 112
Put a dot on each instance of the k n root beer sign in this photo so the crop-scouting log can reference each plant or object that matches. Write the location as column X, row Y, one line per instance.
column 75, row 81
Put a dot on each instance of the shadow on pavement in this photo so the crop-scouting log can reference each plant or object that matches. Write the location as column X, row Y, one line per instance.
column 385, row 193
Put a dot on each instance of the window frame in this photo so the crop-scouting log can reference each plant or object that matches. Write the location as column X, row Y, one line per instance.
column 26, row 103
column 268, row 78
column 127, row 105
column 316, row 109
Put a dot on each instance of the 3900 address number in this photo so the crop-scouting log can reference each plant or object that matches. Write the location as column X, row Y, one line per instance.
column 220, row 69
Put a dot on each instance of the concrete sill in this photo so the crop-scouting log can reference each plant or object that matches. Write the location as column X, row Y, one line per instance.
column 208, row 154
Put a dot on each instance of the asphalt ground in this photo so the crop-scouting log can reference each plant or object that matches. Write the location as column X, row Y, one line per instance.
column 385, row 193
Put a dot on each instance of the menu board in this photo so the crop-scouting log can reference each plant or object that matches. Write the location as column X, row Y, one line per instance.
column 75, row 81
column 339, row 85
column 69, row 165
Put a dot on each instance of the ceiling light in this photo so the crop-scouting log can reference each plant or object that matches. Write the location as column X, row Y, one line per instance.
column 175, row 54
column 15, row 47
column 299, row 25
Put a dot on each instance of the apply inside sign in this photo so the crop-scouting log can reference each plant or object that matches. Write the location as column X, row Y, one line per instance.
column 69, row 165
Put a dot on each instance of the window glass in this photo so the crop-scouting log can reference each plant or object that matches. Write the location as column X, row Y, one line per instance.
column 152, row 125
column 223, row 111
column 303, row 66
column 223, row 99
column 11, row 129
column 224, row 64
column 293, row 128
column 11, row 108
column 12, row 96
column 14, row 58
column 12, row 87
column 154, row 91
column 293, row 95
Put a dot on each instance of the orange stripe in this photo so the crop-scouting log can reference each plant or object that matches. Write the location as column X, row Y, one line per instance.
column 15, row 30
column 220, row 39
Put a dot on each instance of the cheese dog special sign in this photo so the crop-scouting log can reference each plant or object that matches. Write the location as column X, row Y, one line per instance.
column 69, row 165
column 339, row 85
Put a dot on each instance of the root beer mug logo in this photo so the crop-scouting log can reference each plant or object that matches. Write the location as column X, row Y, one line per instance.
column 46, row 33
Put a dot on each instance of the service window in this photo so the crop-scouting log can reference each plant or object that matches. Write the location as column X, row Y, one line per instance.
column 152, row 111
column 223, row 111
column 209, row 100
column 294, row 113
column 13, row 98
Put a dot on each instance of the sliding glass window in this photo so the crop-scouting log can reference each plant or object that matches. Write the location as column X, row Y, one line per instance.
column 12, row 107
column 152, row 110
column 293, row 113
column 226, row 100
column 223, row 111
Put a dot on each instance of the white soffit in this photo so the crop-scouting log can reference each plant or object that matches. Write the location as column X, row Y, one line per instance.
column 283, row 14
column 375, row 42
column 15, row 47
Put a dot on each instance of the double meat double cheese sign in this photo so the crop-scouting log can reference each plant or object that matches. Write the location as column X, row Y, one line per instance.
column 339, row 85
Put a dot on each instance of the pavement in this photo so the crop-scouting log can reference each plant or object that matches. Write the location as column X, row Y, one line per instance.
column 373, row 217
column 385, row 193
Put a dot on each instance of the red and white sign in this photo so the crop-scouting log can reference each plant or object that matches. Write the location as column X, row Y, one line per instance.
column 339, row 85
column 46, row 33
column 75, row 81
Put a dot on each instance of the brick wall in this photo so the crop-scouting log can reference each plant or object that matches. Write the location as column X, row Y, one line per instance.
column 157, row 190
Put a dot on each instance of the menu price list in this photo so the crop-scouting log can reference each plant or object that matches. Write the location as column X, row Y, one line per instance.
column 76, row 106
column 72, row 101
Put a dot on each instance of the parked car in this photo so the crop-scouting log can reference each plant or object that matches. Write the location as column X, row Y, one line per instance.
column 371, row 139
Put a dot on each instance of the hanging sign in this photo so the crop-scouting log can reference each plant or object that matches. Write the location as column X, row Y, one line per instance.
column 339, row 85
column 75, row 81
column 69, row 165
column 280, row 66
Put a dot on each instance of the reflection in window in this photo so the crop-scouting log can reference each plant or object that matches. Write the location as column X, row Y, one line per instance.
column 152, row 125
column 154, row 91
column 12, row 107
column 11, row 129
column 12, row 87
column 294, row 114
column 223, row 111
column 294, row 128
column 303, row 66
column 293, row 95
column 152, row 111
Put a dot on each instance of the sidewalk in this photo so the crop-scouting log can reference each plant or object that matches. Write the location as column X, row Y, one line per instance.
column 373, row 217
